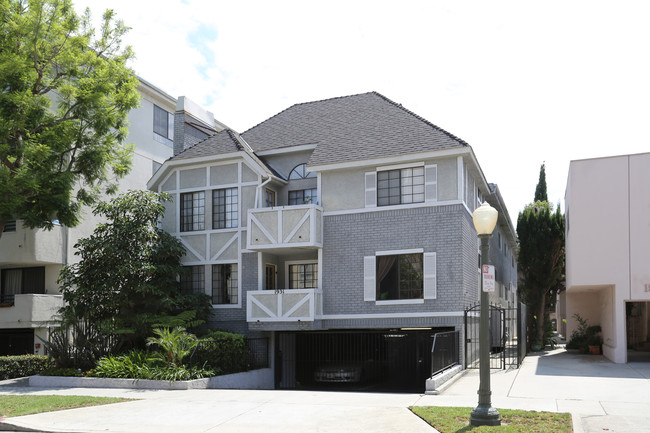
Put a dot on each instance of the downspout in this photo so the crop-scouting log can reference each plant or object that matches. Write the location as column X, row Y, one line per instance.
column 258, row 196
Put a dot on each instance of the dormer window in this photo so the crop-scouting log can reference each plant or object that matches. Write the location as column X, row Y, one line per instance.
column 300, row 172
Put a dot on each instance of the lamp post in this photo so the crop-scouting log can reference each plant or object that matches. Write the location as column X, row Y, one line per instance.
column 485, row 219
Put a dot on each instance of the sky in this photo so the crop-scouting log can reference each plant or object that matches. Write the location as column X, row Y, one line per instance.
column 524, row 83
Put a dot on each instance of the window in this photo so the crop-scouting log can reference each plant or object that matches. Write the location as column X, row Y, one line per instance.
column 193, row 280
column 192, row 211
column 303, row 276
column 10, row 226
column 224, row 284
column 400, row 186
column 224, row 208
column 21, row 280
column 402, row 276
column 303, row 196
column 399, row 277
column 269, row 198
column 300, row 172
column 163, row 124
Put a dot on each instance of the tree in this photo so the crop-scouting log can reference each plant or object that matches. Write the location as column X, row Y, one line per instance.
column 540, row 230
column 65, row 93
column 126, row 281
column 540, row 190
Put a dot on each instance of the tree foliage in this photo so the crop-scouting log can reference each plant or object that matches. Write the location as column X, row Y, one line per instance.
column 126, row 280
column 65, row 92
column 540, row 230
column 540, row 190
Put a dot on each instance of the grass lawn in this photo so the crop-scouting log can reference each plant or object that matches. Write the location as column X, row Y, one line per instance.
column 17, row 405
column 456, row 420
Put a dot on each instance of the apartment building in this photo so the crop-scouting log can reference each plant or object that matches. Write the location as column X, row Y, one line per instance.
column 340, row 229
column 30, row 260
column 607, row 237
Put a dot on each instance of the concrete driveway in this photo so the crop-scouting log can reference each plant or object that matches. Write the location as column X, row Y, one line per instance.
column 602, row 396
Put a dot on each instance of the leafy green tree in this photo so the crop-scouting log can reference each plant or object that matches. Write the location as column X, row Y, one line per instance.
column 126, row 280
column 174, row 344
column 540, row 190
column 540, row 230
column 65, row 92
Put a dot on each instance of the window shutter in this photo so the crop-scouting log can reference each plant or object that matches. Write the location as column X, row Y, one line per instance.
column 369, row 285
column 429, row 275
column 430, row 183
column 371, row 189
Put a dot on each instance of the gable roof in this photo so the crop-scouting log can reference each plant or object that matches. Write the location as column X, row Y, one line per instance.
column 222, row 142
column 350, row 128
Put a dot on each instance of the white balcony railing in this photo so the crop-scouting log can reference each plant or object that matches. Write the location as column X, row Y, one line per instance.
column 283, row 305
column 285, row 227
column 30, row 310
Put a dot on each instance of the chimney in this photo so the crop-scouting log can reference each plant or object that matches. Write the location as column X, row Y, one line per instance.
column 192, row 123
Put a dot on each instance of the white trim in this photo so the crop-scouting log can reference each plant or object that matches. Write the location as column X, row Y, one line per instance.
column 459, row 178
column 394, row 207
column 393, row 159
column 287, row 150
column 400, row 302
column 370, row 189
column 319, row 188
column 399, row 252
column 429, row 275
column 389, row 315
column 192, row 250
column 400, row 166
column 369, row 278
column 226, row 245
column 431, row 183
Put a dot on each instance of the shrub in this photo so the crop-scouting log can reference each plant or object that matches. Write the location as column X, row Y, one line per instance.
column 584, row 335
column 139, row 364
column 221, row 350
column 174, row 344
column 12, row 367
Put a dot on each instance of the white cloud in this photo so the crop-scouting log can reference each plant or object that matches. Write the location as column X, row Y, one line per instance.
column 521, row 82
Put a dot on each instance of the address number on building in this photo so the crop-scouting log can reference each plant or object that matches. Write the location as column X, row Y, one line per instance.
column 488, row 278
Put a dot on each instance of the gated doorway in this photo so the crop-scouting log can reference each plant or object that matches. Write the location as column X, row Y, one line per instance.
column 360, row 360
column 507, row 336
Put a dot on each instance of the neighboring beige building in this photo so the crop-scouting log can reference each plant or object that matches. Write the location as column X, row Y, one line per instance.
column 30, row 260
column 608, row 251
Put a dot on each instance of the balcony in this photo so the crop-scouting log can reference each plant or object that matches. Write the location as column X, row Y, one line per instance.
column 282, row 228
column 283, row 305
column 30, row 311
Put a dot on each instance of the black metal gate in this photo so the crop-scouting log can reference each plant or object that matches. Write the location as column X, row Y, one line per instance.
column 381, row 360
column 506, row 339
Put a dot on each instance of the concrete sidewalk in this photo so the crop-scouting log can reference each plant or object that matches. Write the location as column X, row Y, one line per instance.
column 602, row 396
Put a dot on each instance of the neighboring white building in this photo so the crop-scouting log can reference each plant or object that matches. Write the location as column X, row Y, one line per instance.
column 30, row 260
column 608, row 251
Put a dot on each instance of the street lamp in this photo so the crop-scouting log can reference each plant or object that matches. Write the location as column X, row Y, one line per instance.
column 485, row 219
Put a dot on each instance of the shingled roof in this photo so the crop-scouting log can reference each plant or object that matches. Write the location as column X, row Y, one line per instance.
column 222, row 142
column 350, row 128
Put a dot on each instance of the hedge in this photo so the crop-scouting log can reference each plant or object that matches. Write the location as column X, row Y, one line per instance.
column 221, row 350
column 12, row 367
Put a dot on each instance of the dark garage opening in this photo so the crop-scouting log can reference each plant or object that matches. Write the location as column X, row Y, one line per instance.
column 382, row 360
column 16, row 342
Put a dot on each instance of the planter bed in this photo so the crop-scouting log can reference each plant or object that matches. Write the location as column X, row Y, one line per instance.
column 254, row 379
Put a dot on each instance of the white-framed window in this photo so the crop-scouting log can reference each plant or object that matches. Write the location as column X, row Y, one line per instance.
column 303, row 196
column 398, row 185
column 163, row 125
column 192, row 211
column 302, row 274
column 225, row 204
column 300, row 172
column 225, row 284
column 400, row 275
column 193, row 279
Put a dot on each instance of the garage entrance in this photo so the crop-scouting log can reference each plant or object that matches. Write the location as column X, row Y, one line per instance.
column 637, row 315
column 383, row 360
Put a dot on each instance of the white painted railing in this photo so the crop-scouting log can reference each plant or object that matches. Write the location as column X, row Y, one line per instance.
column 285, row 227
column 283, row 305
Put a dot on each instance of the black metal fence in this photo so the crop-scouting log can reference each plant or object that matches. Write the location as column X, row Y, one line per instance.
column 444, row 351
column 507, row 336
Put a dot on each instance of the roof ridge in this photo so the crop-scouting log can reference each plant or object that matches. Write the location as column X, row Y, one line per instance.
column 417, row 116
column 228, row 130
column 306, row 103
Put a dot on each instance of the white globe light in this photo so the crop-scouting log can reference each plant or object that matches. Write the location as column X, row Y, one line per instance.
column 485, row 219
